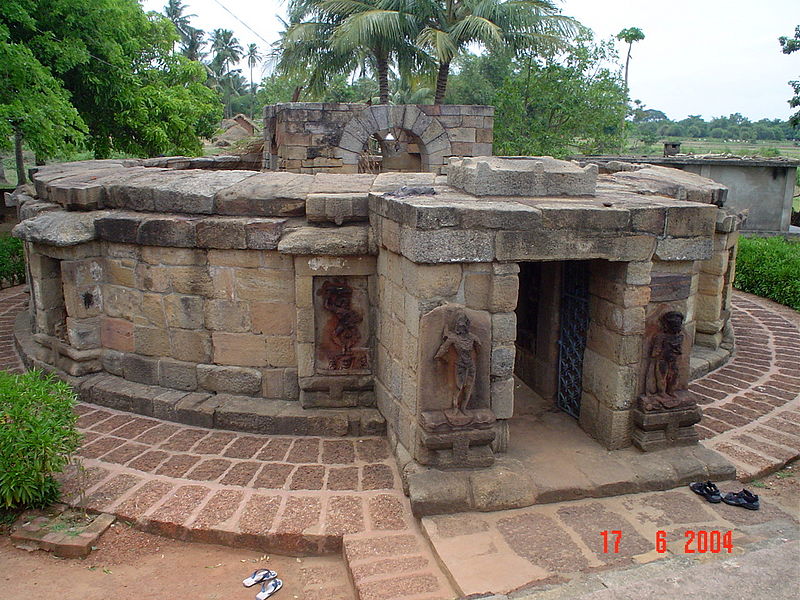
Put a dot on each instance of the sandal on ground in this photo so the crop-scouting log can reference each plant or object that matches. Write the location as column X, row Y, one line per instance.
column 259, row 576
column 745, row 499
column 268, row 588
column 707, row 490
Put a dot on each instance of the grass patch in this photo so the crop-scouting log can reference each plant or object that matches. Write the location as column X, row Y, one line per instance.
column 769, row 267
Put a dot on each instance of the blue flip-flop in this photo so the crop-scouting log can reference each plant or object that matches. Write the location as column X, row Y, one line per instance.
column 268, row 588
column 259, row 576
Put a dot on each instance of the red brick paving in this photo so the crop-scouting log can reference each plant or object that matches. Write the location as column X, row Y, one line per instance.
column 751, row 405
column 303, row 494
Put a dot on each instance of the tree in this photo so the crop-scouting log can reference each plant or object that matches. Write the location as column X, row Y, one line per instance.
column 192, row 46
column 629, row 36
column 174, row 12
column 568, row 104
column 103, row 68
column 253, row 57
column 789, row 45
column 517, row 26
column 227, row 51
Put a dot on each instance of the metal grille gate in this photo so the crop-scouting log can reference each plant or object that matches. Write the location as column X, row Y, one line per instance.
column 572, row 337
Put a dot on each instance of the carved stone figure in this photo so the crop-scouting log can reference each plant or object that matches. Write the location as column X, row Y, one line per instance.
column 663, row 372
column 343, row 328
column 466, row 346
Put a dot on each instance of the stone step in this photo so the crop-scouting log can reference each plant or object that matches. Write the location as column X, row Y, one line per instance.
column 228, row 411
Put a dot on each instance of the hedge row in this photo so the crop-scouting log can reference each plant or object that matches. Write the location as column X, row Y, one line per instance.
column 769, row 267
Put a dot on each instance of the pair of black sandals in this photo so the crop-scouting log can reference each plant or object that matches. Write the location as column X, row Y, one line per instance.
column 709, row 491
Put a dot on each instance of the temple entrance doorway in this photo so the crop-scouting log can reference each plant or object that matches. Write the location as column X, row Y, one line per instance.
column 552, row 325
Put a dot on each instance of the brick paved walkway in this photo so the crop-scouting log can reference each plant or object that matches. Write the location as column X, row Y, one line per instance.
column 310, row 494
column 751, row 406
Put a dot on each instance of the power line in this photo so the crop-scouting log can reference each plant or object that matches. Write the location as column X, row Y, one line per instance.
column 258, row 35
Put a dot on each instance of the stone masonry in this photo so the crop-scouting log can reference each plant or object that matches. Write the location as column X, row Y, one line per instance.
column 300, row 304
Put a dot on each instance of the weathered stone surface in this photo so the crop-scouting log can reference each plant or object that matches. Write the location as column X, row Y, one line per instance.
column 673, row 183
column 341, row 241
column 265, row 194
column 169, row 231
column 61, row 229
column 446, row 245
column 521, row 176
column 235, row 380
column 195, row 191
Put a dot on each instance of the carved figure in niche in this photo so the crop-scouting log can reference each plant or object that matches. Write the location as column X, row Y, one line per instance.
column 466, row 345
column 663, row 372
column 337, row 297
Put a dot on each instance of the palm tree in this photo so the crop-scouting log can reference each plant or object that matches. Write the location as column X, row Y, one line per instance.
column 384, row 29
column 174, row 12
column 226, row 48
column 253, row 57
column 303, row 50
column 192, row 47
column 515, row 25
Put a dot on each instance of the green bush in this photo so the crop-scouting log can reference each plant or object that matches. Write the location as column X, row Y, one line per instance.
column 37, row 437
column 769, row 267
column 12, row 261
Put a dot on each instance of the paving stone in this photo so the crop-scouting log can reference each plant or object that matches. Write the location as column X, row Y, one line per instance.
column 157, row 434
column 149, row 460
column 136, row 505
column 399, row 587
column 108, row 493
column 184, row 440
column 178, row 507
column 387, row 513
column 100, row 447
column 372, row 449
column 177, row 465
column 209, row 470
column 380, row 546
column 219, row 508
column 344, row 478
column 259, row 513
column 304, row 450
column 124, row 453
column 377, row 477
column 241, row 473
column 273, row 476
column 542, row 542
column 244, row 447
column 338, row 452
column 214, row 442
column 344, row 514
column 275, row 449
column 308, row 477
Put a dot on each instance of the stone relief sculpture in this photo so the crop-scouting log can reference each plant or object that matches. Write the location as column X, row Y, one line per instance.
column 466, row 346
column 457, row 425
column 343, row 327
column 667, row 411
column 663, row 370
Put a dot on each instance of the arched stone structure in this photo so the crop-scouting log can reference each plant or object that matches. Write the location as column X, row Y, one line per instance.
column 434, row 140
column 314, row 137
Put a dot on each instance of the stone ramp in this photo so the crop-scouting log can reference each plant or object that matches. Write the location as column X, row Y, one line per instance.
column 516, row 551
column 751, row 406
column 282, row 494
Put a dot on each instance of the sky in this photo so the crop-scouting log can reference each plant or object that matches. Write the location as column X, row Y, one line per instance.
column 706, row 57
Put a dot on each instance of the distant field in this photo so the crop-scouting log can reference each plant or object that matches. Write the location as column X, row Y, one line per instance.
column 711, row 146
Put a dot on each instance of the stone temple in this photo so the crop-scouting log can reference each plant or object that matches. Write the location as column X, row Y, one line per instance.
column 334, row 296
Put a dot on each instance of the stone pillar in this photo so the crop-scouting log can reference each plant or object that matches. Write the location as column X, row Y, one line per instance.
column 619, row 294
column 713, row 302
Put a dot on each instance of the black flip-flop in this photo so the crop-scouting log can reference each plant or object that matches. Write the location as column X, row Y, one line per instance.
column 745, row 499
column 707, row 490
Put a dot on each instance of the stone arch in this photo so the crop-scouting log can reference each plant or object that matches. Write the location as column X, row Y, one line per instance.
column 431, row 136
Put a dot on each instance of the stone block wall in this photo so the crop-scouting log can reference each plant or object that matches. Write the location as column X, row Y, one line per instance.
column 314, row 137
column 182, row 318
column 406, row 292
column 715, row 286
column 619, row 294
